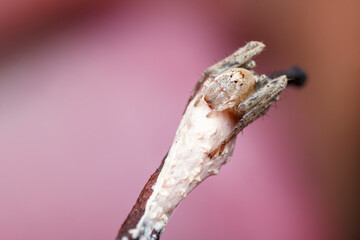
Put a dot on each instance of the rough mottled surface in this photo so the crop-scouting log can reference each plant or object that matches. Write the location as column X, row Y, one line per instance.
column 139, row 208
column 186, row 166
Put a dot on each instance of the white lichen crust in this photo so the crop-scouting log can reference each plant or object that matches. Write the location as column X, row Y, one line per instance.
column 186, row 165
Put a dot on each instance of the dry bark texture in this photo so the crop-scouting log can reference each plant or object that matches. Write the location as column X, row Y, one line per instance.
column 228, row 96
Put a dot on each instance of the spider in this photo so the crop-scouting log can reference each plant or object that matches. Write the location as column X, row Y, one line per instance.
column 232, row 85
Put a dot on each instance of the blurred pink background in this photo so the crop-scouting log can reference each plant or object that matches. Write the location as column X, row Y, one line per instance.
column 91, row 94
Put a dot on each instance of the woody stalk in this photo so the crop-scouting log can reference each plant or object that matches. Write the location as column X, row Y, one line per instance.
column 228, row 96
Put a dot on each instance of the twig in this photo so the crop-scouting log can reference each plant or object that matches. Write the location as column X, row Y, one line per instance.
column 296, row 76
column 228, row 97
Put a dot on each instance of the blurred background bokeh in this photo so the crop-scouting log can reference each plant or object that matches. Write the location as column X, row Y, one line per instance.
column 91, row 94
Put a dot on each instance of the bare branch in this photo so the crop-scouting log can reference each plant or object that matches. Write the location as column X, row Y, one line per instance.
column 228, row 97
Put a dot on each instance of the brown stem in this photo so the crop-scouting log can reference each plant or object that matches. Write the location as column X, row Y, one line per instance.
column 296, row 76
column 139, row 208
column 148, row 222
